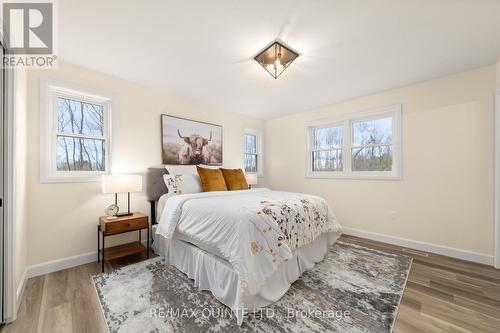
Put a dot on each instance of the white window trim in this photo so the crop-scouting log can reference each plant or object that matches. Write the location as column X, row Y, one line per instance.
column 49, row 90
column 345, row 121
column 259, row 135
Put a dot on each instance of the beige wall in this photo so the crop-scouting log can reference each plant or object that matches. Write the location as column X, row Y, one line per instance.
column 446, row 194
column 63, row 217
column 21, row 244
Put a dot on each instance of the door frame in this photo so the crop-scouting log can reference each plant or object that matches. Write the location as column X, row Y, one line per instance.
column 10, row 299
column 497, row 178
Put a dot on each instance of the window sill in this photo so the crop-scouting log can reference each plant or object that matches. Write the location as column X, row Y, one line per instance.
column 46, row 179
column 259, row 174
column 353, row 176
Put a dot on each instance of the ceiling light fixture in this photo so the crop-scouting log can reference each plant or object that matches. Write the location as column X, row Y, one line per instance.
column 276, row 58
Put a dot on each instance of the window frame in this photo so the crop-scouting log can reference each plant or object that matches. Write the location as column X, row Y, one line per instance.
column 50, row 91
column 346, row 121
column 259, row 146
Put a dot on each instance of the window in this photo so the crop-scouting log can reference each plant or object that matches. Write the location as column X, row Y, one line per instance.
column 250, row 153
column 75, row 134
column 252, row 147
column 327, row 149
column 371, row 148
column 362, row 145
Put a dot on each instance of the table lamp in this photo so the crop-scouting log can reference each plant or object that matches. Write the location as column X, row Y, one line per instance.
column 122, row 184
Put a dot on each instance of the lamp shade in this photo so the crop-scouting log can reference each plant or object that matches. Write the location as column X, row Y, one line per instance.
column 251, row 179
column 121, row 183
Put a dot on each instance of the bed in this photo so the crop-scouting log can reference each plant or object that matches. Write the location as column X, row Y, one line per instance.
column 248, row 246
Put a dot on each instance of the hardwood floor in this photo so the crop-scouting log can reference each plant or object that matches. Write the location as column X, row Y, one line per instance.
column 442, row 295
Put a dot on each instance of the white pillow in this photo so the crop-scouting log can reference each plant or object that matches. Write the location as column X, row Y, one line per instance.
column 182, row 184
column 213, row 167
column 181, row 169
column 188, row 169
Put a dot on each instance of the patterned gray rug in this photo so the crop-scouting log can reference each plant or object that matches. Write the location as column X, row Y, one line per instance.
column 354, row 289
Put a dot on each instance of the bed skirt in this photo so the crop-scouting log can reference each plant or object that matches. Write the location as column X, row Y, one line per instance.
column 215, row 274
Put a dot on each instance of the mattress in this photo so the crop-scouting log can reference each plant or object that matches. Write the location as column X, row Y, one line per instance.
column 212, row 250
column 186, row 239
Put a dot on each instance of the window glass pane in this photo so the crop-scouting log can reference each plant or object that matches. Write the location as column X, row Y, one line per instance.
column 372, row 132
column 327, row 160
column 79, row 117
column 250, row 144
column 250, row 163
column 325, row 138
column 372, row 158
column 77, row 154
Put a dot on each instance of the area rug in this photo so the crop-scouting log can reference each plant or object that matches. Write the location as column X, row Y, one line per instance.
column 354, row 289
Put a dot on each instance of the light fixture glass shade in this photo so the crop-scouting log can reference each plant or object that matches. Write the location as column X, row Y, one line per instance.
column 121, row 183
column 276, row 58
column 251, row 179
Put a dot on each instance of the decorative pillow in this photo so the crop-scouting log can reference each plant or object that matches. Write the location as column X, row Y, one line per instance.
column 179, row 184
column 181, row 169
column 187, row 169
column 211, row 179
column 206, row 166
column 235, row 179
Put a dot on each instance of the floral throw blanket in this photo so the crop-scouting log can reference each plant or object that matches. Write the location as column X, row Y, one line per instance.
column 300, row 220
column 255, row 230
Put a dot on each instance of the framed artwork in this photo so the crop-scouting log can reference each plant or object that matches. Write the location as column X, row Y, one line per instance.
column 190, row 142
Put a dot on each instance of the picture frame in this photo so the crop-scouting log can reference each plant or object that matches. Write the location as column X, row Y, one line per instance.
column 190, row 142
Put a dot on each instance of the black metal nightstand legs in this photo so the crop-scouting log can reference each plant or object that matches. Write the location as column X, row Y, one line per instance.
column 103, row 238
column 98, row 243
column 100, row 258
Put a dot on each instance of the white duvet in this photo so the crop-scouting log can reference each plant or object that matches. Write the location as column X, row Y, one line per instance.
column 255, row 230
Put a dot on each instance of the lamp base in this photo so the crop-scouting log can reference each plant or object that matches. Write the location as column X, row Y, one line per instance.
column 124, row 214
column 127, row 213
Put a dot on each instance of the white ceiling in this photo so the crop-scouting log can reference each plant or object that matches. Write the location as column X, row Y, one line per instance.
column 203, row 49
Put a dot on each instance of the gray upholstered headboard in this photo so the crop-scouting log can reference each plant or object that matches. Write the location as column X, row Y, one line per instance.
column 155, row 188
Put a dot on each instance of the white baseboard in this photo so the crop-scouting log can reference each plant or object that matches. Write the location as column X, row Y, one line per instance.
column 423, row 246
column 60, row 264
column 20, row 289
column 63, row 263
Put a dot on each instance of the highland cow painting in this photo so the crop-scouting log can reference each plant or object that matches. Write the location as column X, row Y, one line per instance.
column 190, row 142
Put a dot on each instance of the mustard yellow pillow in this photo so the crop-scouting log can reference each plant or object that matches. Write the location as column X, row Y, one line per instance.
column 235, row 179
column 211, row 179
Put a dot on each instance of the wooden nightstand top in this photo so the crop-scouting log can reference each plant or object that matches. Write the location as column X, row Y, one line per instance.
column 134, row 215
column 136, row 221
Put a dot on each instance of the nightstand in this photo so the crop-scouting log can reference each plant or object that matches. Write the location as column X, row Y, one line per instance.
column 108, row 227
